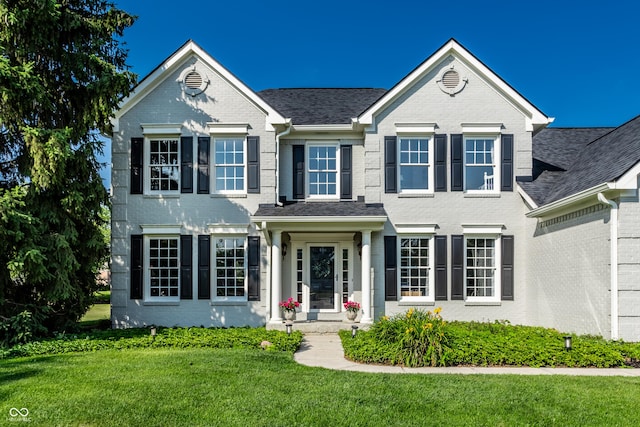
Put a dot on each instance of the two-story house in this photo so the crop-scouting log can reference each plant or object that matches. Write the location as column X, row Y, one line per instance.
column 435, row 192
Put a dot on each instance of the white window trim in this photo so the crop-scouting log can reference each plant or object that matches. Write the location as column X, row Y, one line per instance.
column 430, row 166
column 148, row 137
column 158, row 232
column 497, row 159
column 309, row 144
column 214, row 165
column 477, row 233
column 416, row 232
column 230, row 233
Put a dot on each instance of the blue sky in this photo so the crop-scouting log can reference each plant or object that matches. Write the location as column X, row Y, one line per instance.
column 577, row 61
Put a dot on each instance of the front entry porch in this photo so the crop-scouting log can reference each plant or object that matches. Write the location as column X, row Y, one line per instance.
column 321, row 261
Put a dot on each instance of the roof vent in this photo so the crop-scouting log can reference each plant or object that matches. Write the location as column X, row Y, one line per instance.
column 193, row 80
column 450, row 81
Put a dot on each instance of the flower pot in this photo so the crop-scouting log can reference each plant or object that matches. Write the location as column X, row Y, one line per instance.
column 289, row 315
column 351, row 315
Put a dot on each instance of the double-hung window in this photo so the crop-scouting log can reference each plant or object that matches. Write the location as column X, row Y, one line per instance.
column 416, row 261
column 229, row 271
column 164, row 165
column 482, row 264
column 481, row 171
column 164, row 268
column 322, row 170
column 415, row 161
column 229, row 165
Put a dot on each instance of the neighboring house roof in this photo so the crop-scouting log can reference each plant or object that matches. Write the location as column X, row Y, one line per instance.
column 321, row 106
column 605, row 159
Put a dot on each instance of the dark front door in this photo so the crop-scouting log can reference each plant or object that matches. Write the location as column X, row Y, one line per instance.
column 322, row 273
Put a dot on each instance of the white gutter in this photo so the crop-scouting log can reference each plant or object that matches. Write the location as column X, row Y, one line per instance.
column 278, row 136
column 568, row 201
column 614, row 264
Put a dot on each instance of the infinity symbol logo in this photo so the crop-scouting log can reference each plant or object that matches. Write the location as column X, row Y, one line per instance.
column 15, row 412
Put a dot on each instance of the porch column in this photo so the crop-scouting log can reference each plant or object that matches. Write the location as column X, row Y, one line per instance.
column 367, row 314
column 276, row 275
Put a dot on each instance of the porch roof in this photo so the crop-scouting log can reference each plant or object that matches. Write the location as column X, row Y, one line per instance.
column 346, row 213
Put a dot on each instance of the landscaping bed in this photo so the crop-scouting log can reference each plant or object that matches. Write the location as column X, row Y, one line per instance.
column 422, row 338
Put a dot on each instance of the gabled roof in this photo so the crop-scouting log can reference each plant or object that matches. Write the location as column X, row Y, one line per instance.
column 536, row 119
column 321, row 106
column 177, row 59
column 604, row 160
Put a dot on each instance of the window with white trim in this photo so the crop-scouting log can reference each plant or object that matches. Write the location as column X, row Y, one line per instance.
column 322, row 170
column 416, row 261
column 163, row 270
column 482, row 275
column 164, row 165
column 229, row 158
column 230, row 268
column 416, row 173
column 481, row 159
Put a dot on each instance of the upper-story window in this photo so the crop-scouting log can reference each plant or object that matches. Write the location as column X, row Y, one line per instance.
column 415, row 171
column 164, row 165
column 480, row 165
column 322, row 170
column 229, row 165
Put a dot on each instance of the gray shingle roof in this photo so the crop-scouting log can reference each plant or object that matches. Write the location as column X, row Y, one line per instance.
column 321, row 106
column 604, row 159
column 326, row 209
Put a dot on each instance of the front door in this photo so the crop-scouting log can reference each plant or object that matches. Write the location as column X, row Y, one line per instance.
column 322, row 277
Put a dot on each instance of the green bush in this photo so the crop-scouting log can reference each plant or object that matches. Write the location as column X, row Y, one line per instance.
column 481, row 344
column 165, row 338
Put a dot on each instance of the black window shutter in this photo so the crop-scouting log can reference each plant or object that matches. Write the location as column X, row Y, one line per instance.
column 345, row 171
column 253, row 258
column 507, row 163
column 390, row 269
column 440, row 163
column 441, row 268
column 186, row 267
column 137, row 165
column 253, row 164
column 204, row 269
column 298, row 172
column 457, row 267
column 186, row 164
column 137, row 257
column 203, row 164
column 390, row 165
column 507, row 268
column 457, row 162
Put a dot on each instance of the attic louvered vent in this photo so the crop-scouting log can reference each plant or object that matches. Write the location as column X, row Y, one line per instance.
column 450, row 81
column 193, row 80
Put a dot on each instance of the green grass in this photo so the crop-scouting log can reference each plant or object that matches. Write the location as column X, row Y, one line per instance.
column 228, row 387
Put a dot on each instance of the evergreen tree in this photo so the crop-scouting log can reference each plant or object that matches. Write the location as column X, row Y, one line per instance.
column 62, row 73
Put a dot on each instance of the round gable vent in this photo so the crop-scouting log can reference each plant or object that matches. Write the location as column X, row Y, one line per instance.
column 450, row 81
column 193, row 80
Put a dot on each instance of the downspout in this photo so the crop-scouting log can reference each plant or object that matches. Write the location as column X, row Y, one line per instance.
column 278, row 136
column 614, row 264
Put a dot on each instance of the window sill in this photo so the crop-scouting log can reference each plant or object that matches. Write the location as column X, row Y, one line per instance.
column 161, row 196
column 229, row 196
column 228, row 303
column 415, row 195
column 482, row 195
column 405, row 303
column 161, row 303
column 482, row 303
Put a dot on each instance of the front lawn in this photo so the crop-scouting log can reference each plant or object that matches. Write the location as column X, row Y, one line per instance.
column 246, row 387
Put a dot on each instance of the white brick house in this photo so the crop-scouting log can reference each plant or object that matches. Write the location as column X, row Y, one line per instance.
column 435, row 192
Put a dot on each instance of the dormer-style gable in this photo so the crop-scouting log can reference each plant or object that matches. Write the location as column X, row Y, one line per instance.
column 193, row 83
column 451, row 81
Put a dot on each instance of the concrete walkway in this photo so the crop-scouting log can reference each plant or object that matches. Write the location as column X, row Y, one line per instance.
column 325, row 350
